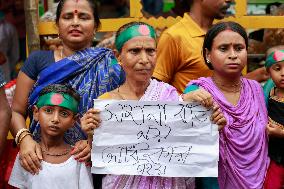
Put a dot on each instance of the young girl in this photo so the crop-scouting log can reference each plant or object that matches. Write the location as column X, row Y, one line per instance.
column 243, row 141
column 56, row 110
column 275, row 67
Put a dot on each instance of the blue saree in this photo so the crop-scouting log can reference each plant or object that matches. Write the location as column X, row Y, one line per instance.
column 91, row 72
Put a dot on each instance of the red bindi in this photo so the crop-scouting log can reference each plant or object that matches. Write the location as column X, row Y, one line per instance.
column 76, row 11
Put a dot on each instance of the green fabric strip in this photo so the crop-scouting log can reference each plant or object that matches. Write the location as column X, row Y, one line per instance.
column 274, row 57
column 133, row 31
column 190, row 88
column 58, row 99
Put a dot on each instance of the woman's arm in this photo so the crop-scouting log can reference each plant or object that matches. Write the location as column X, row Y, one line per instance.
column 5, row 117
column 205, row 98
column 20, row 102
column 30, row 153
column 90, row 121
column 275, row 130
column 199, row 95
column 82, row 148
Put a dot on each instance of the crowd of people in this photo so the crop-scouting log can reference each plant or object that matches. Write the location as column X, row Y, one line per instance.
column 193, row 60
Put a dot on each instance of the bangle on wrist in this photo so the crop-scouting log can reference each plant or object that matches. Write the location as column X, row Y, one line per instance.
column 19, row 133
column 23, row 136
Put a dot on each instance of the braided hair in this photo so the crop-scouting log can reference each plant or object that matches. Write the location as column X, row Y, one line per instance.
column 215, row 30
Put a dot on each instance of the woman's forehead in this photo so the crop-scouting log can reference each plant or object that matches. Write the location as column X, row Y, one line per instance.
column 228, row 37
column 140, row 40
column 76, row 6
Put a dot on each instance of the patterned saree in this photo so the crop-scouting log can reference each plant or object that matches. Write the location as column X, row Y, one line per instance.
column 92, row 72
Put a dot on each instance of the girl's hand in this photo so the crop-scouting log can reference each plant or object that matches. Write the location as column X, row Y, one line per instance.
column 82, row 151
column 90, row 121
column 200, row 95
column 274, row 130
column 218, row 118
column 30, row 155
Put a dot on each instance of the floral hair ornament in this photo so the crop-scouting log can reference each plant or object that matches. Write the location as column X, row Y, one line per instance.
column 274, row 57
column 58, row 99
column 134, row 31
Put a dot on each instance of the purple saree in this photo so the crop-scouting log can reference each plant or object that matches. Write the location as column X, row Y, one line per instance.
column 243, row 141
column 156, row 91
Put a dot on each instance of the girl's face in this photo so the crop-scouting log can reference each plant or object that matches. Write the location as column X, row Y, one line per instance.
column 138, row 58
column 54, row 120
column 228, row 54
column 76, row 24
column 276, row 72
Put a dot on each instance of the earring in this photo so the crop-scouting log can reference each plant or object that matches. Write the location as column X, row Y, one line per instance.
column 208, row 61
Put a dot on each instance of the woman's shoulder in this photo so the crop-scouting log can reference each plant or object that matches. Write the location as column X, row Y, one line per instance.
column 255, row 86
column 161, row 83
column 110, row 95
column 41, row 54
column 167, row 92
column 105, row 96
column 251, row 82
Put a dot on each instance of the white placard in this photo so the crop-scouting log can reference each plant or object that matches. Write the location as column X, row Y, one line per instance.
column 155, row 139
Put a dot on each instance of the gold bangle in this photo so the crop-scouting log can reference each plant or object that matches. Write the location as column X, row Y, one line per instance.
column 20, row 140
column 19, row 133
column 276, row 123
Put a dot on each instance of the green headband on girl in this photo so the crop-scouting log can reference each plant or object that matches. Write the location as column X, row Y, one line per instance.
column 274, row 57
column 134, row 31
column 58, row 99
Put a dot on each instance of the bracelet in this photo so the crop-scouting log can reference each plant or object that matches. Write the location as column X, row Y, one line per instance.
column 276, row 123
column 20, row 140
column 21, row 131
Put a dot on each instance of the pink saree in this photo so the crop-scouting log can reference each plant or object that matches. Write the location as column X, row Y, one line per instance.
column 243, row 141
column 156, row 91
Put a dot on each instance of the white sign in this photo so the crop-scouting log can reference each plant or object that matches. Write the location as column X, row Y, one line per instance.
column 155, row 139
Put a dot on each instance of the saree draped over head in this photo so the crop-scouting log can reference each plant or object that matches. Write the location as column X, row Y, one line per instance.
column 92, row 72
column 243, row 141
column 156, row 91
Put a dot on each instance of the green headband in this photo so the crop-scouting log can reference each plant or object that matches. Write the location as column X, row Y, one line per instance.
column 274, row 57
column 58, row 99
column 133, row 31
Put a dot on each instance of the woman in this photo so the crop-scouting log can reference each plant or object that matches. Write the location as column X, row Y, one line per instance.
column 136, row 51
column 243, row 141
column 90, row 71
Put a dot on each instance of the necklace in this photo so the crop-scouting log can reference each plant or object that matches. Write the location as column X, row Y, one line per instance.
column 123, row 98
column 234, row 88
column 56, row 155
column 276, row 123
column 120, row 94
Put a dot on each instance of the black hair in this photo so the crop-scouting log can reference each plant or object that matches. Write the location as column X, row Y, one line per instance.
column 62, row 89
column 268, row 7
column 218, row 28
column 93, row 5
column 125, row 26
column 189, row 3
